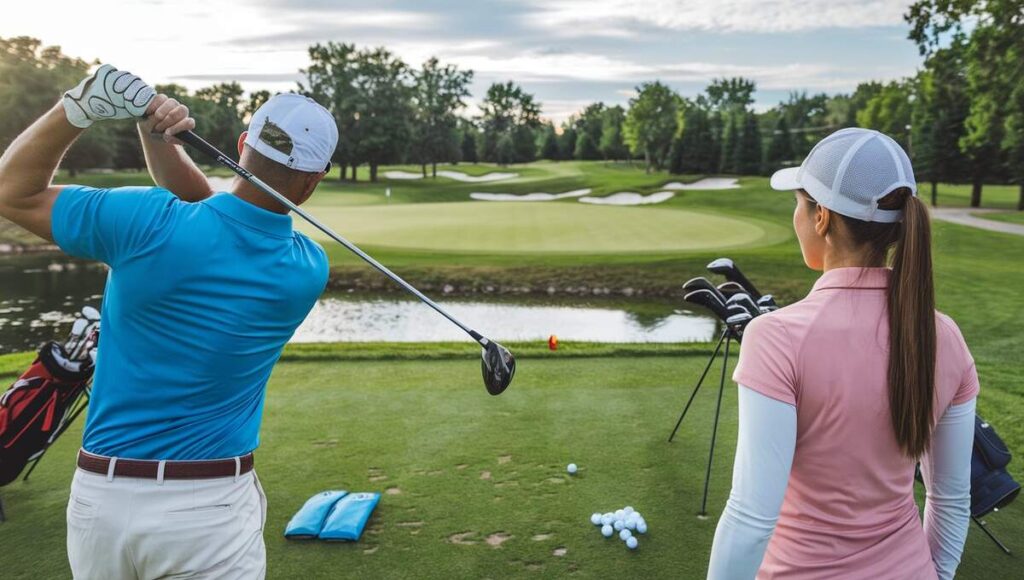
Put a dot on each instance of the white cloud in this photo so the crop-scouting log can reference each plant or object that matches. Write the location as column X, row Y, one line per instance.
column 618, row 17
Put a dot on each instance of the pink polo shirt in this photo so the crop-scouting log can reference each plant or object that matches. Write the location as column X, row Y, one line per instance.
column 849, row 507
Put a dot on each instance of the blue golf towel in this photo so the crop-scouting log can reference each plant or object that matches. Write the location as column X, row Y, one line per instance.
column 348, row 517
column 309, row 520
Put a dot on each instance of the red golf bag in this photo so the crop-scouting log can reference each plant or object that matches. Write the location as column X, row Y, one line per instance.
column 37, row 408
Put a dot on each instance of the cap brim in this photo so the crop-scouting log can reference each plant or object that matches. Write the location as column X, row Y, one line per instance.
column 785, row 179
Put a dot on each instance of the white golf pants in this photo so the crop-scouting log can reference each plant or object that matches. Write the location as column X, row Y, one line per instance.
column 143, row 529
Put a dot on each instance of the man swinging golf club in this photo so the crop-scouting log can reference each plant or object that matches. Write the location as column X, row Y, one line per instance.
column 200, row 300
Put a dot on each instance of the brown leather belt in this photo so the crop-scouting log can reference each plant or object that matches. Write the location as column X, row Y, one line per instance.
column 172, row 469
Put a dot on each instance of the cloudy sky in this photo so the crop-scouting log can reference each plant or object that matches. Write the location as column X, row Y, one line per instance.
column 567, row 52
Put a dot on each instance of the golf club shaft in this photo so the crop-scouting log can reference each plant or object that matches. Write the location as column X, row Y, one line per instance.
column 200, row 144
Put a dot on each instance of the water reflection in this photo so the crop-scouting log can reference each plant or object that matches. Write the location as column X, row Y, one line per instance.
column 389, row 319
column 42, row 294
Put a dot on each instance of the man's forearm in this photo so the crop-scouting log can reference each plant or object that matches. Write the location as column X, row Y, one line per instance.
column 27, row 169
column 172, row 169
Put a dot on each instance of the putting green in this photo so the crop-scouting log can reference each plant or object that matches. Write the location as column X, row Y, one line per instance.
column 542, row 228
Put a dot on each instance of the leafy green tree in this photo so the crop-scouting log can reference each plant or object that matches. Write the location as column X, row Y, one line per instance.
column 255, row 101
column 748, row 152
column 549, row 143
column 383, row 108
column 612, row 145
column 734, row 94
column 567, row 140
column 939, row 112
column 651, row 123
column 995, row 71
column 780, row 149
column 729, row 143
column 889, row 112
column 589, row 126
column 330, row 80
column 439, row 95
column 508, row 111
column 218, row 113
column 468, row 146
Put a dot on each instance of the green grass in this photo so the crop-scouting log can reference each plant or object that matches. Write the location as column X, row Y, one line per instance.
column 1013, row 217
column 338, row 415
column 959, row 195
column 467, row 462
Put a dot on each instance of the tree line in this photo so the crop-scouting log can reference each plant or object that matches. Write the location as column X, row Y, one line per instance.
column 961, row 116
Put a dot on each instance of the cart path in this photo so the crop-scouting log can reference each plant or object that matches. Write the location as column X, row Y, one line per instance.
column 964, row 217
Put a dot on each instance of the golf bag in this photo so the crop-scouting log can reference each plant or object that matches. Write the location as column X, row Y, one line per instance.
column 992, row 487
column 35, row 410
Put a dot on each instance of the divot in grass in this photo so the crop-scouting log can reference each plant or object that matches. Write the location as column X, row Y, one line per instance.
column 462, row 538
column 559, row 552
column 393, row 491
column 542, row 537
column 503, row 459
column 461, row 466
column 498, row 538
column 485, row 475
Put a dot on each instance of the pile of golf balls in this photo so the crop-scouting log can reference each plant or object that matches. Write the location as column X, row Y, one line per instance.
column 623, row 522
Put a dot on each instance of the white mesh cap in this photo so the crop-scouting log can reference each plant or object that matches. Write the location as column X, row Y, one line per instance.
column 295, row 131
column 849, row 171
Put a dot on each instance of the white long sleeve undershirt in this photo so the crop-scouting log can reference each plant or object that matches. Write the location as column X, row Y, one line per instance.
column 764, row 455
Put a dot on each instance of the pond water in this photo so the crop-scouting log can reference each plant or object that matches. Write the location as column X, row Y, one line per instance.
column 42, row 293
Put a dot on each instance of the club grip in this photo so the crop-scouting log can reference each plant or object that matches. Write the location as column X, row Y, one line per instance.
column 199, row 143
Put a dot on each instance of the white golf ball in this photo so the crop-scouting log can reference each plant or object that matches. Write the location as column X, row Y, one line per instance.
column 607, row 519
column 630, row 524
column 619, row 525
column 595, row 519
column 607, row 531
column 620, row 514
column 628, row 509
column 625, row 535
column 571, row 468
column 632, row 543
column 641, row 527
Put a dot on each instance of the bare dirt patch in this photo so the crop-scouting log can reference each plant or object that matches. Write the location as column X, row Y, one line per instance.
column 498, row 538
column 462, row 538
column 486, row 475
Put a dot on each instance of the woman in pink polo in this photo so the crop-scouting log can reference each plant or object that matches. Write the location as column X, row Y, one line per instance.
column 843, row 392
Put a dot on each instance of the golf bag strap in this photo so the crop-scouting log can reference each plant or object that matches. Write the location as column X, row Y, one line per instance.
column 160, row 470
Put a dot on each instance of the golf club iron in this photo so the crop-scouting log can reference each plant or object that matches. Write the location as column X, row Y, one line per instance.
column 767, row 303
column 744, row 300
column 699, row 283
column 729, row 288
column 728, row 268
column 709, row 300
column 497, row 363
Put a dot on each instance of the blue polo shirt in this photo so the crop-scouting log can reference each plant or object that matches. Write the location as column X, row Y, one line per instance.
column 200, row 300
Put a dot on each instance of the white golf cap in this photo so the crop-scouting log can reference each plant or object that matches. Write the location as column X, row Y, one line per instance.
column 295, row 131
column 849, row 171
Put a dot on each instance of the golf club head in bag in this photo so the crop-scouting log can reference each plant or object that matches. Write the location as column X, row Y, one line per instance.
column 498, row 367
column 767, row 303
column 729, row 288
column 726, row 267
column 702, row 283
column 745, row 301
column 708, row 300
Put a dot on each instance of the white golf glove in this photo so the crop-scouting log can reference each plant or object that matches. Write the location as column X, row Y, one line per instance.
column 107, row 94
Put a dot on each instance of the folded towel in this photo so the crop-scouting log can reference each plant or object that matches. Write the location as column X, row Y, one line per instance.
column 309, row 520
column 348, row 517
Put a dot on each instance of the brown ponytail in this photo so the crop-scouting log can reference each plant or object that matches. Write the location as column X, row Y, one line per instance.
column 912, row 331
column 911, row 303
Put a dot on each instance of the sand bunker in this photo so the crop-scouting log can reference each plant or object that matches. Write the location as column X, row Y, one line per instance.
column 705, row 184
column 540, row 196
column 629, row 198
column 456, row 175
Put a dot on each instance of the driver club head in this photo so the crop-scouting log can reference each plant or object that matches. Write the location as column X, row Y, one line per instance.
column 498, row 367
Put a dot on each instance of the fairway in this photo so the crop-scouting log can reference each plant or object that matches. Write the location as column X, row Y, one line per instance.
column 457, row 467
column 542, row 228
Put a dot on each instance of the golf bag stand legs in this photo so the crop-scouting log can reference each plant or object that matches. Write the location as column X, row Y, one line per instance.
column 726, row 338
column 989, row 533
column 700, row 382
